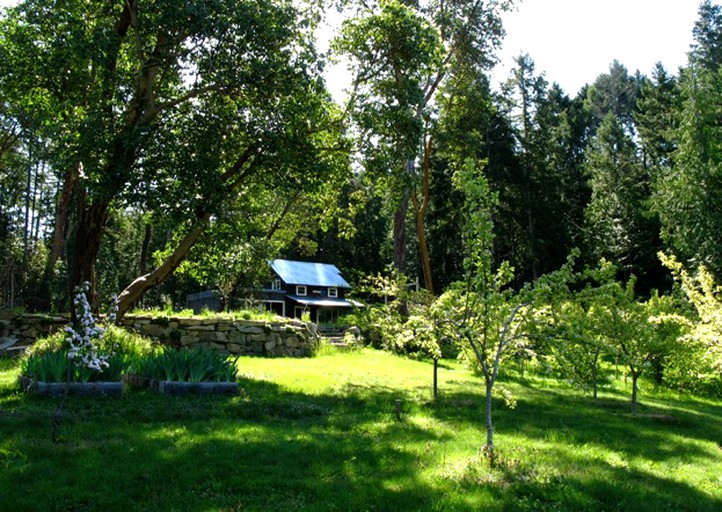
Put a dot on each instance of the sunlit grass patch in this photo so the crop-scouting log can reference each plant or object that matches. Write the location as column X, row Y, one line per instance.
column 323, row 434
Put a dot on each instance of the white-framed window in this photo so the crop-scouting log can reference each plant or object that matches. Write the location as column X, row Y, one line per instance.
column 333, row 292
column 276, row 284
column 275, row 306
column 301, row 289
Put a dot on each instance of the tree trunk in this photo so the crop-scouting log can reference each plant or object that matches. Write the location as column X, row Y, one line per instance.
column 420, row 207
column 142, row 265
column 61, row 222
column 595, row 370
column 436, row 379
column 28, row 208
column 84, row 247
column 424, row 249
column 400, row 234
column 635, row 376
column 135, row 290
column 489, row 423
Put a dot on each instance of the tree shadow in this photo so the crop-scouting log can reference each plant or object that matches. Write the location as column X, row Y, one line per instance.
column 277, row 449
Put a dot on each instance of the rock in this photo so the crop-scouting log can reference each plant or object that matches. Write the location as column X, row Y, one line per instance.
column 198, row 327
column 188, row 339
column 154, row 331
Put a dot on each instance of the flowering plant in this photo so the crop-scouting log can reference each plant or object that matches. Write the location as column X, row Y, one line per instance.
column 82, row 348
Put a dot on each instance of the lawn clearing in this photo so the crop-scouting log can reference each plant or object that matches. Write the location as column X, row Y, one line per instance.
column 322, row 434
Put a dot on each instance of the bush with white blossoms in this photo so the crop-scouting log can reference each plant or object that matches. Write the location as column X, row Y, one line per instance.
column 82, row 349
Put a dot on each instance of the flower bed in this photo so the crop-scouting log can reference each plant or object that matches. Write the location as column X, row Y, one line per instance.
column 179, row 372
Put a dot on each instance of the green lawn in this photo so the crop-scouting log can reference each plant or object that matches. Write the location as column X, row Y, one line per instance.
column 321, row 434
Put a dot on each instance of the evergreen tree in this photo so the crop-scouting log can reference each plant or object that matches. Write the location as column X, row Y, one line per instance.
column 706, row 51
column 656, row 118
column 618, row 226
column 689, row 193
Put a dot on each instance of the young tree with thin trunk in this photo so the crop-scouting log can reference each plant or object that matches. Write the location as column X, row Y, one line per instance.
column 634, row 328
column 482, row 312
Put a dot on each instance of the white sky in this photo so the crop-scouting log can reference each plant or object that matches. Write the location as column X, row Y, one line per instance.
column 574, row 41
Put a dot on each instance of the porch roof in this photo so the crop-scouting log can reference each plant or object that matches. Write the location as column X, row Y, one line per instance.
column 324, row 302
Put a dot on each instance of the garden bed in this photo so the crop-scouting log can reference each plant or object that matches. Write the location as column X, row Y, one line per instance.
column 181, row 388
column 29, row 385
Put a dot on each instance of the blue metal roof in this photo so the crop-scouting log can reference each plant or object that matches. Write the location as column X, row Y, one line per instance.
column 308, row 273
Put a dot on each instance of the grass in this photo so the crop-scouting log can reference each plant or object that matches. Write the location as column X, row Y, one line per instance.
column 321, row 434
column 240, row 314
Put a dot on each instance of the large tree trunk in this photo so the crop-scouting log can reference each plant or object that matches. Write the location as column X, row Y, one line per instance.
column 84, row 248
column 400, row 234
column 135, row 290
column 143, row 264
column 424, row 250
column 420, row 207
column 61, row 223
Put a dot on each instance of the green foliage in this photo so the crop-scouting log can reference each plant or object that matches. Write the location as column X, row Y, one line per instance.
column 224, row 114
column 482, row 314
column 696, row 363
column 392, row 51
column 48, row 367
column 402, row 324
column 641, row 334
column 619, row 226
column 163, row 316
column 54, row 367
column 48, row 358
column 115, row 339
column 689, row 191
column 192, row 365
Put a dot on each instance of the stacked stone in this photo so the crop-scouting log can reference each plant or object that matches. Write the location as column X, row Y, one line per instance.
column 26, row 329
column 246, row 337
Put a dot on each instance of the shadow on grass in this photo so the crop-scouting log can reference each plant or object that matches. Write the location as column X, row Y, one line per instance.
column 269, row 449
column 275, row 449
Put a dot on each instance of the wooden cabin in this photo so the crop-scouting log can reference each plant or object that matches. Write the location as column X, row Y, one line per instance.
column 299, row 287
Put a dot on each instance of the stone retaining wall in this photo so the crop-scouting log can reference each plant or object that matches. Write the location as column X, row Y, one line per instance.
column 285, row 338
column 290, row 338
column 27, row 328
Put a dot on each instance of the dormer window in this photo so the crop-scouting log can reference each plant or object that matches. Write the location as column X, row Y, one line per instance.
column 333, row 292
column 276, row 285
column 301, row 289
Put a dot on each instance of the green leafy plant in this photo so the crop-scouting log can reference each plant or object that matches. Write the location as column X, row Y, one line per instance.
column 48, row 359
column 195, row 365
column 160, row 316
column 47, row 367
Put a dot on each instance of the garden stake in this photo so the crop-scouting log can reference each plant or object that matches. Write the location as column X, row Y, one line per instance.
column 397, row 408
